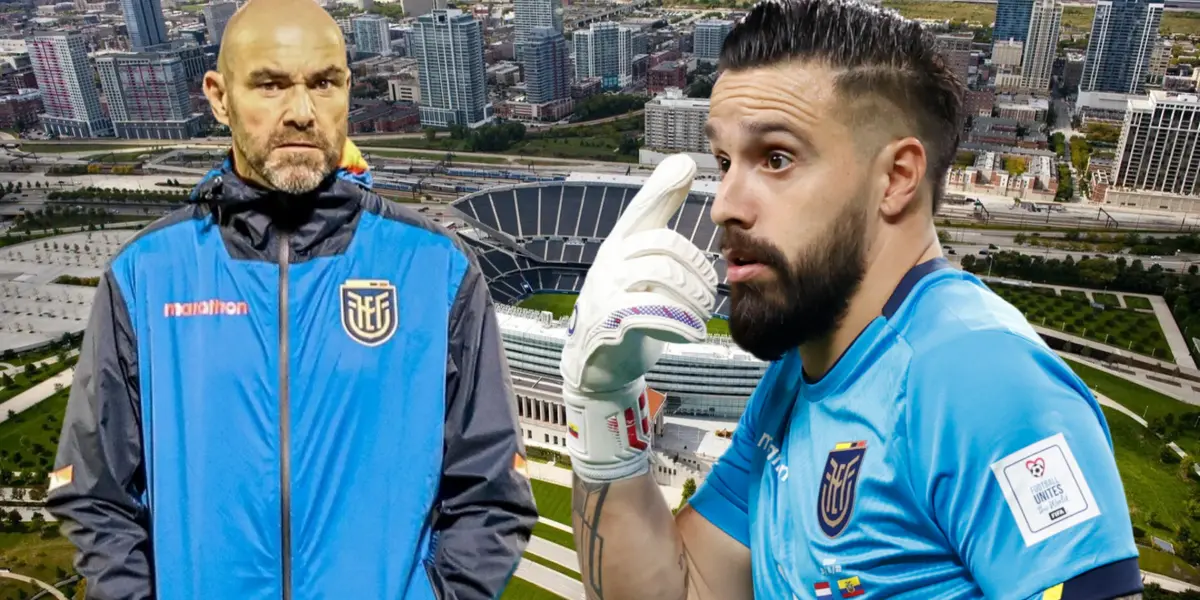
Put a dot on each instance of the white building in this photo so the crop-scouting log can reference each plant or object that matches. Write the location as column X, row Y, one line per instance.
column 371, row 34
column 605, row 51
column 448, row 46
column 69, row 93
column 1041, row 44
column 676, row 123
column 708, row 38
column 534, row 14
column 1159, row 149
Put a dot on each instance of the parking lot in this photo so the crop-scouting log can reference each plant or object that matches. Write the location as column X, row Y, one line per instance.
column 33, row 309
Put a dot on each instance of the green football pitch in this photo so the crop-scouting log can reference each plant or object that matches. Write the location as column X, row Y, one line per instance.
column 562, row 305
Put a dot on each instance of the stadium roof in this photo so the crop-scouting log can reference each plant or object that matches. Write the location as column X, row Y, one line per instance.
column 699, row 186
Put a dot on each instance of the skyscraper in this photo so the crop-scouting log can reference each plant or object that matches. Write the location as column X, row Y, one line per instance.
column 69, row 93
column 709, row 37
column 547, row 66
column 1123, row 36
column 605, row 51
column 956, row 50
column 448, row 46
column 530, row 15
column 147, row 95
column 371, row 34
column 1012, row 20
column 1041, row 44
column 1159, row 148
column 144, row 22
column 216, row 16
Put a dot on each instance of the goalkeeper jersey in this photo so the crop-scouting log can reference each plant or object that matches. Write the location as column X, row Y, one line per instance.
column 949, row 454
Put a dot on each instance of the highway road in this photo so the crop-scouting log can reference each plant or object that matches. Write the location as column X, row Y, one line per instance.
column 971, row 241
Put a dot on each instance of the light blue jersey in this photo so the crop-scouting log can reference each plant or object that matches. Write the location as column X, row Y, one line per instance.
column 949, row 454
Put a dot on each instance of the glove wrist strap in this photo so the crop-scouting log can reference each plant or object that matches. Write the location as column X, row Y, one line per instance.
column 609, row 432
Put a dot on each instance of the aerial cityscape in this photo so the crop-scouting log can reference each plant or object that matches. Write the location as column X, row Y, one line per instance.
column 527, row 126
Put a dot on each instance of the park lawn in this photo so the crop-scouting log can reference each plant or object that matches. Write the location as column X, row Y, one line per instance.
column 39, row 425
column 1138, row 302
column 561, row 306
column 1157, row 561
column 551, row 534
column 1107, row 299
column 1150, row 486
column 553, row 501
column 33, row 555
column 1072, row 313
column 519, row 589
column 983, row 14
column 131, row 156
column 1186, row 23
column 553, row 566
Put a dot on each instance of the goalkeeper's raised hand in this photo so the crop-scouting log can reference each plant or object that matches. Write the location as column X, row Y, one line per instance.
column 648, row 285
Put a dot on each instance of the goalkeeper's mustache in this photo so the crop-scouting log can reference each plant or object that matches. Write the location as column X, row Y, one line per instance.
column 738, row 245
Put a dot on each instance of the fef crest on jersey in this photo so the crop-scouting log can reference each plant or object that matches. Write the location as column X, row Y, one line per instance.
column 838, row 485
column 369, row 311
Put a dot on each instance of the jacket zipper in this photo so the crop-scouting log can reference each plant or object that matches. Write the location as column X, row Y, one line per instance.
column 285, row 457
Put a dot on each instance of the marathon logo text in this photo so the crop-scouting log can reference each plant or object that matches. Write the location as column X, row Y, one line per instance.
column 206, row 308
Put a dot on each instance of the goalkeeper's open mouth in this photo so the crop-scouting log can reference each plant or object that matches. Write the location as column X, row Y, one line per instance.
column 743, row 266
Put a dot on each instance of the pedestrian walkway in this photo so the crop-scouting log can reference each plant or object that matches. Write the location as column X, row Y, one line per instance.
column 555, row 524
column 559, row 555
column 1184, row 392
column 32, row 396
column 550, row 580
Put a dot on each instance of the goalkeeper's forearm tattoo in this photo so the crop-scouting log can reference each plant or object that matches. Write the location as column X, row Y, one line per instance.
column 588, row 503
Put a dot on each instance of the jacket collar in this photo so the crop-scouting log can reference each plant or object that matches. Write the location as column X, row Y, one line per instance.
column 318, row 223
column 222, row 186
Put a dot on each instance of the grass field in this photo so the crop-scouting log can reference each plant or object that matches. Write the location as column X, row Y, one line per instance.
column 1072, row 313
column 553, row 501
column 562, row 305
column 50, row 148
column 1138, row 302
column 519, row 589
column 1077, row 18
column 1107, row 299
column 34, row 555
column 29, row 439
column 1157, row 561
column 1151, row 488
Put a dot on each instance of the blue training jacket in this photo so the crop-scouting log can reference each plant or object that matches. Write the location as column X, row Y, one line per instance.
column 292, row 397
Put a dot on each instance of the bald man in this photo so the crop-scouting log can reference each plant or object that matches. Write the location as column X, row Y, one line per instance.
column 291, row 388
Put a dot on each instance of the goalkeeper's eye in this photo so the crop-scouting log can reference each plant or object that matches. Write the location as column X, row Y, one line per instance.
column 722, row 164
column 778, row 160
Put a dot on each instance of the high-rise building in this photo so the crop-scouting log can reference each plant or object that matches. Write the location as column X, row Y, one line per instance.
column 1160, row 60
column 956, row 50
column 448, row 46
column 371, row 34
column 1123, row 36
column 1159, row 149
column 675, row 123
column 529, row 15
column 69, row 93
column 216, row 16
column 147, row 95
column 1041, row 44
column 605, row 51
column 144, row 22
column 547, row 66
column 709, row 37
column 1012, row 20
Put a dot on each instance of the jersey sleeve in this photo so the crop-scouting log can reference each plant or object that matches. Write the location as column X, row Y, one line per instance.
column 724, row 497
column 1012, row 456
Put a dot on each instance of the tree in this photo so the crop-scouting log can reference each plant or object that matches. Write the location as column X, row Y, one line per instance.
column 14, row 518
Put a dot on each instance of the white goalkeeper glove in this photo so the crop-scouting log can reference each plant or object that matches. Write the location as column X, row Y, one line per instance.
column 648, row 285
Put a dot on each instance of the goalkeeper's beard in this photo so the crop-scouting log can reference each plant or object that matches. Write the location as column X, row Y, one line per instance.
column 810, row 294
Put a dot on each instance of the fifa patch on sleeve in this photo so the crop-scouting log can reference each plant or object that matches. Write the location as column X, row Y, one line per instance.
column 1045, row 489
column 61, row 478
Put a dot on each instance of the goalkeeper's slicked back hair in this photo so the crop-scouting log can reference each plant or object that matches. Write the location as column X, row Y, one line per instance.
column 882, row 61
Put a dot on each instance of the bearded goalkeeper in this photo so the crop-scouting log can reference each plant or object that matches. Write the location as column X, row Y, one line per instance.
column 913, row 437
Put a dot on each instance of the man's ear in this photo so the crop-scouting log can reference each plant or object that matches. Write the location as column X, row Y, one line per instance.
column 905, row 161
column 218, row 96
